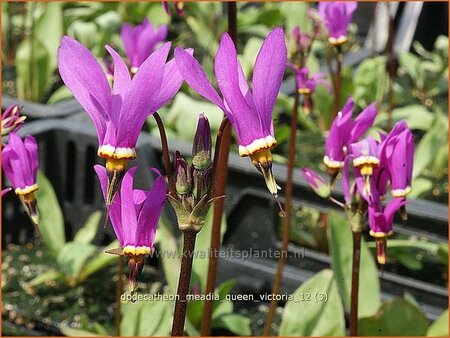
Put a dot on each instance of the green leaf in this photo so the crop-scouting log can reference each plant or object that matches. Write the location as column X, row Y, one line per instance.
column 61, row 94
column 47, row 276
column 98, row 261
column 87, row 233
column 32, row 66
column 396, row 317
column 71, row 332
column 51, row 223
column 183, row 114
column 440, row 326
column 295, row 15
column 49, row 31
column 370, row 81
column 340, row 243
column 416, row 115
column 316, row 309
column 323, row 104
column 72, row 258
column 233, row 322
column 170, row 259
column 425, row 151
column 411, row 64
column 202, row 247
column 420, row 185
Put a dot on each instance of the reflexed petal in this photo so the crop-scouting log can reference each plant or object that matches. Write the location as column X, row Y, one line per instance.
column 7, row 153
column 114, row 210
column 195, row 77
column 140, row 99
column 31, row 148
column 248, row 125
column 150, row 212
column 85, row 78
column 392, row 207
column 363, row 122
column 129, row 217
column 129, row 42
column 268, row 74
column 122, row 81
column 171, row 82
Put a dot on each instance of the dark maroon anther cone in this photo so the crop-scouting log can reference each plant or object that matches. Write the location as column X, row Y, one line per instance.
column 135, row 266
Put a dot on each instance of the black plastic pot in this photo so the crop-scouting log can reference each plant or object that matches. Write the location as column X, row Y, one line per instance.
column 68, row 152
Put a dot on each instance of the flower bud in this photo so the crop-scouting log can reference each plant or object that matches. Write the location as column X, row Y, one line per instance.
column 11, row 121
column 316, row 182
column 201, row 149
column 183, row 175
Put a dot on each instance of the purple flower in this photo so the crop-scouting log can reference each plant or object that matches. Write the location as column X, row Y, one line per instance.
column 307, row 85
column 398, row 153
column 134, row 216
column 345, row 131
column 337, row 16
column 118, row 115
column 179, row 5
column 381, row 221
column 250, row 112
column 11, row 120
column 302, row 41
column 141, row 41
column 316, row 182
column 20, row 164
column 5, row 191
column 365, row 158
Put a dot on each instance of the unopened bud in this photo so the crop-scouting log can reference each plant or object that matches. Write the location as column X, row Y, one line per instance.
column 183, row 175
column 201, row 149
column 11, row 120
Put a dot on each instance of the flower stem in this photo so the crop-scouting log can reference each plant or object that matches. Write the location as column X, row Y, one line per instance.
column 338, row 75
column 119, row 290
column 287, row 220
column 219, row 184
column 166, row 156
column 184, row 281
column 355, row 283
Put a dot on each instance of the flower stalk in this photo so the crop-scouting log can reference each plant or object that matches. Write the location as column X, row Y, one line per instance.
column 355, row 283
column 219, row 182
column 287, row 209
column 179, row 315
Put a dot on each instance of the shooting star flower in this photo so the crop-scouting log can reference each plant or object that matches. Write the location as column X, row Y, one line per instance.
column 337, row 16
column 118, row 115
column 134, row 216
column 20, row 164
column 250, row 112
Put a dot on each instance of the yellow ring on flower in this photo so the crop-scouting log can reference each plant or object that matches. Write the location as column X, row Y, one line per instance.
column 257, row 145
column 136, row 250
column 332, row 163
column 380, row 234
column 28, row 189
column 337, row 41
column 401, row 192
column 119, row 153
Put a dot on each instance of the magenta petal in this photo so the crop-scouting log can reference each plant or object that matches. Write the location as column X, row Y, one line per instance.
column 171, row 82
column 7, row 153
column 129, row 218
column 392, row 207
column 268, row 74
column 122, row 81
column 316, row 182
column 129, row 42
column 19, row 163
column 140, row 100
column 31, row 148
column 85, row 78
column 248, row 123
column 150, row 212
column 114, row 210
column 195, row 77
column 5, row 191
column 363, row 122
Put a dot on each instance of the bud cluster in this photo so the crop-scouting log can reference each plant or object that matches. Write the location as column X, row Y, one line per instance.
column 193, row 181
